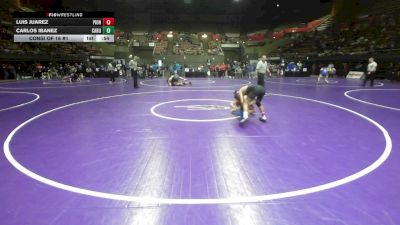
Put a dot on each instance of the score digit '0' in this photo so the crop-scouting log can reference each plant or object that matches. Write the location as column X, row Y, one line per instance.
column 108, row 21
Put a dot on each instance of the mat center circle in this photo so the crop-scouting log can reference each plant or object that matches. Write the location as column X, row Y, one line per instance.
column 194, row 110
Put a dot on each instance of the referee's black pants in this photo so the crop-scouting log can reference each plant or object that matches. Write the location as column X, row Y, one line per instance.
column 370, row 77
column 135, row 78
column 112, row 76
column 260, row 79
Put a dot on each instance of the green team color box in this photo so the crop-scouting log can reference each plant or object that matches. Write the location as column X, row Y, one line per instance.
column 108, row 30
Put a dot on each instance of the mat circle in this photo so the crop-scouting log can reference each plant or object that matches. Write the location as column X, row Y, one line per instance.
column 200, row 201
column 347, row 94
column 21, row 104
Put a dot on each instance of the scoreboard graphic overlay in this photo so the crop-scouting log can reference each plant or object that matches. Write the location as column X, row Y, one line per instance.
column 64, row 27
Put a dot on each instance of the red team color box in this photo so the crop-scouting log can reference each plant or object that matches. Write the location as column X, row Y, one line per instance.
column 108, row 21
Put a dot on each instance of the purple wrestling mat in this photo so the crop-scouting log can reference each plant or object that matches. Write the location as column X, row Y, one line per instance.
column 101, row 154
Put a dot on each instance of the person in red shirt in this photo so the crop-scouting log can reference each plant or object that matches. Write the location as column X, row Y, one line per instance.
column 39, row 70
column 212, row 70
column 222, row 69
column 345, row 68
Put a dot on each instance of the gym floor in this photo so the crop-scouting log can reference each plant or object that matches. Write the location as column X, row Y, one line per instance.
column 103, row 154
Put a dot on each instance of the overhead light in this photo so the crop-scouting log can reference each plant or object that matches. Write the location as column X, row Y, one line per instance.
column 277, row 5
column 170, row 35
column 204, row 36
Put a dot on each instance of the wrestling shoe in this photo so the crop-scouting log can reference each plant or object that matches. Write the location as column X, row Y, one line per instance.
column 263, row 118
column 244, row 120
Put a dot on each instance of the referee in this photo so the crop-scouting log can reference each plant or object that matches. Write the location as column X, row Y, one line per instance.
column 371, row 70
column 133, row 65
column 262, row 69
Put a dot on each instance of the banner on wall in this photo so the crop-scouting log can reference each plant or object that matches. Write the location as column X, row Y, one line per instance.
column 355, row 75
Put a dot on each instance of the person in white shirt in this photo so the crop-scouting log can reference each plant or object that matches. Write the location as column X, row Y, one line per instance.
column 331, row 70
column 133, row 65
column 371, row 70
column 281, row 69
column 119, row 68
column 262, row 70
column 110, row 69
